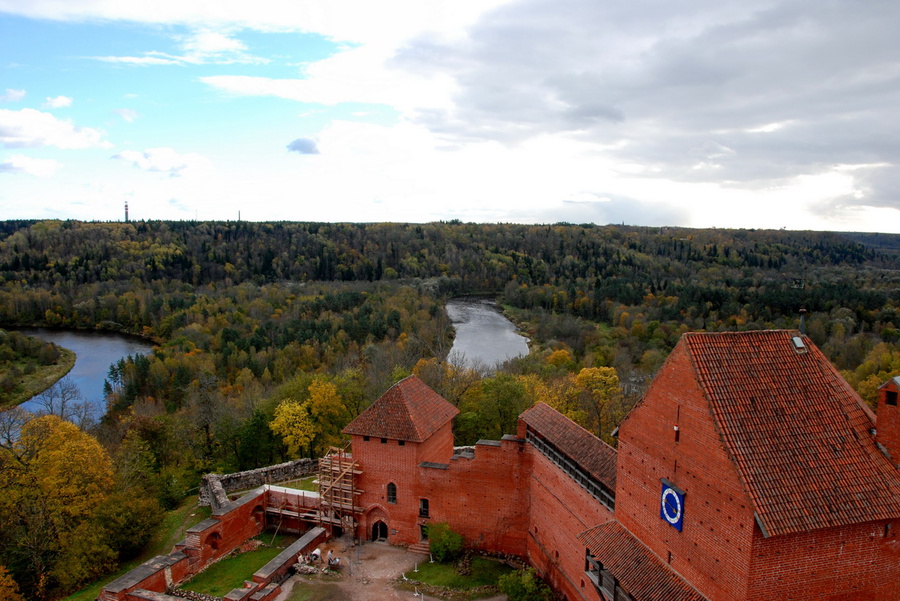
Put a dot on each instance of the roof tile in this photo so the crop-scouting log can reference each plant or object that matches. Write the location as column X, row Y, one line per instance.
column 797, row 432
column 640, row 572
column 592, row 454
column 409, row 410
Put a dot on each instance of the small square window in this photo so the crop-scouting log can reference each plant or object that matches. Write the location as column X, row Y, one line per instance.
column 401, row 443
column 384, row 441
column 891, row 398
column 365, row 439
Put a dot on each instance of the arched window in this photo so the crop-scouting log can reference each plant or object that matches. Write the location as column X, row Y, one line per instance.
column 392, row 493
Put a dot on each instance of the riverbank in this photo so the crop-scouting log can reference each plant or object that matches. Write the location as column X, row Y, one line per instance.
column 95, row 351
column 43, row 378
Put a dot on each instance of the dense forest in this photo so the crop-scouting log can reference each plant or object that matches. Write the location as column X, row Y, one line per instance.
column 270, row 337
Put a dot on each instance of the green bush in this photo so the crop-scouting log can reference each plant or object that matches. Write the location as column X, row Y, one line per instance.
column 444, row 543
column 524, row 585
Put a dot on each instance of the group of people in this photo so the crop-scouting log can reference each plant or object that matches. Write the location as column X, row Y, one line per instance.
column 316, row 555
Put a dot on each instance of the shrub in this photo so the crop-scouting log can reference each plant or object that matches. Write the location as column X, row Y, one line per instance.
column 444, row 543
column 524, row 585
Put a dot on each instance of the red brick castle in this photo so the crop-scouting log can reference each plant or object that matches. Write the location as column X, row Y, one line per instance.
column 750, row 470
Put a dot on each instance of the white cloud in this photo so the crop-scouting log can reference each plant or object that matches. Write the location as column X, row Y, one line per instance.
column 645, row 111
column 200, row 48
column 57, row 102
column 127, row 115
column 360, row 21
column 30, row 128
column 148, row 59
column 12, row 95
column 211, row 42
column 22, row 164
column 165, row 160
column 360, row 74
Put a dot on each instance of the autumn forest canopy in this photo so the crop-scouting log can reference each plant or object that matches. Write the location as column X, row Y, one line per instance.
column 271, row 337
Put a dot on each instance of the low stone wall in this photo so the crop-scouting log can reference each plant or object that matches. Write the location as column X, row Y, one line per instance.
column 214, row 488
column 279, row 566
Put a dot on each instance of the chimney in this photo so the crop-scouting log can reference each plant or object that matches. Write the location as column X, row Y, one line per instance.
column 887, row 424
column 803, row 321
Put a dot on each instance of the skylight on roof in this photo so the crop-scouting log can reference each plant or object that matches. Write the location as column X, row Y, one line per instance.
column 799, row 346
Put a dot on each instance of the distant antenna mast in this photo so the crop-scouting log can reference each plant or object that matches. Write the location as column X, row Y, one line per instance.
column 126, row 211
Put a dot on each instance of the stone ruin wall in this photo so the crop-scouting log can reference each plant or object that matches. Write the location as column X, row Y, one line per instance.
column 214, row 488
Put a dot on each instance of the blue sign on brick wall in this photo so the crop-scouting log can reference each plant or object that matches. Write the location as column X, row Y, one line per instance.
column 671, row 506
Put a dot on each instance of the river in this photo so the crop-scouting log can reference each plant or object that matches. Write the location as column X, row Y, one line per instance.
column 484, row 336
column 94, row 353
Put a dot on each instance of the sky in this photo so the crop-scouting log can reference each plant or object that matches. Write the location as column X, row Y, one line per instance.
column 698, row 113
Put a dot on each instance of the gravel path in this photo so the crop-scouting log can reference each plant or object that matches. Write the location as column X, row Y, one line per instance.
column 370, row 575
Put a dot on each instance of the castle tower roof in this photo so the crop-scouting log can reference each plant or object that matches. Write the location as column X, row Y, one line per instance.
column 409, row 411
column 799, row 436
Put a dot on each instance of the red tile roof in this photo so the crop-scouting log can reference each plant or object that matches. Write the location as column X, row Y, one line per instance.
column 595, row 456
column 797, row 433
column 409, row 410
column 641, row 573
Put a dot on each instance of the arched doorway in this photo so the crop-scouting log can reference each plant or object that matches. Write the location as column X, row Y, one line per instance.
column 379, row 531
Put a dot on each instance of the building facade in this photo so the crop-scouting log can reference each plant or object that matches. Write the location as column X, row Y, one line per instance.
column 749, row 470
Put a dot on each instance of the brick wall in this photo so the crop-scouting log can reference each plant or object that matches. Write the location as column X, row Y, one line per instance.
column 384, row 463
column 859, row 563
column 481, row 497
column 888, row 421
column 559, row 510
column 713, row 549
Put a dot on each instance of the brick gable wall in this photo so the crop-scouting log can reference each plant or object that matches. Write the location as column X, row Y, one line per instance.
column 712, row 551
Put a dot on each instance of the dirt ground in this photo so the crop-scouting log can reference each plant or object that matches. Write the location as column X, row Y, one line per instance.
column 367, row 572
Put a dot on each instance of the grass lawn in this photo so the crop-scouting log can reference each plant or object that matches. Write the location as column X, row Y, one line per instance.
column 224, row 576
column 308, row 484
column 317, row 591
column 173, row 528
column 485, row 572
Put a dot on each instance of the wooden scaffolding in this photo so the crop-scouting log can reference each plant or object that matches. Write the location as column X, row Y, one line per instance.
column 338, row 494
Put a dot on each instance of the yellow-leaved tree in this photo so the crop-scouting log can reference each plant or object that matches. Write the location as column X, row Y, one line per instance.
column 327, row 412
column 53, row 477
column 602, row 400
column 293, row 424
column 9, row 589
column 562, row 393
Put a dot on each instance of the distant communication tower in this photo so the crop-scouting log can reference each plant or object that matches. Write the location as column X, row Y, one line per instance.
column 126, row 211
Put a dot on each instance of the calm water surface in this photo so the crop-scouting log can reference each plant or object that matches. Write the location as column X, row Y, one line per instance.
column 483, row 335
column 95, row 352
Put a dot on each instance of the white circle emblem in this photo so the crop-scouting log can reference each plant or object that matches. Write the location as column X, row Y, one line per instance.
column 671, row 506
